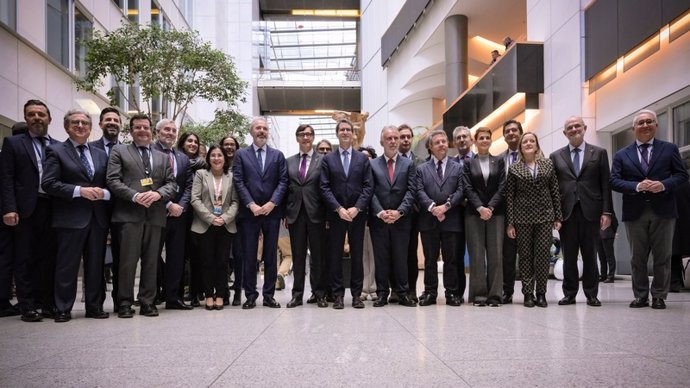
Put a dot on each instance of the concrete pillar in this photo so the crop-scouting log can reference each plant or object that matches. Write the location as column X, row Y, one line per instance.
column 455, row 31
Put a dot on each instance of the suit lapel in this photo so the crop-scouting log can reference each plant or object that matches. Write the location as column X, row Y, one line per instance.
column 656, row 150
column 74, row 155
column 315, row 157
column 211, row 184
column 631, row 152
column 225, row 181
column 586, row 156
column 29, row 146
column 134, row 154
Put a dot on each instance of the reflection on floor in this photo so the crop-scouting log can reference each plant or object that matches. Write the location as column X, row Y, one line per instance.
column 308, row 346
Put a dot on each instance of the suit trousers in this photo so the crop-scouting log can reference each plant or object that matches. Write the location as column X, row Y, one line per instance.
column 607, row 256
column 35, row 248
column 237, row 262
column 6, row 263
column 390, row 252
column 355, row 232
column 485, row 246
column 534, row 243
column 412, row 259
column 115, row 244
column 368, row 264
column 214, row 246
column 434, row 241
column 650, row 233
column 579, row 235
column 251, row 227
column 72, row 244
column 138, row 240
column 174, row 238
column 304, row 235
column 510, row 259
column 460, row 262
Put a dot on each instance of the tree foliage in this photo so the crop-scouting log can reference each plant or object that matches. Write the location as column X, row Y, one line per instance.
column 176, row 65
column 226, row 122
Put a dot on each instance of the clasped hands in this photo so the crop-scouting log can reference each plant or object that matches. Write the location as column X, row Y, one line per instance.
column 390, row 216
column 264, row 210
column 348, row 214
column 147, row 198
column 92, row 193
column 651, row 186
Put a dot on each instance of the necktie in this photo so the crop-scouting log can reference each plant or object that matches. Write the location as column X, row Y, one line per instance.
column 84, row 160
column 390, row 169
column 644, row 152
column 261, row 162
column 146, row 160
column 576, row 161
column 171, row 161
column 42, row 141
column 513, row 157
column 109, row 148
column 303, row 168
column 439, row 170
column 346, row 162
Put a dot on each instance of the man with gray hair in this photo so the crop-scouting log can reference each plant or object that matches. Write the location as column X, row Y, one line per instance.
column 463, row 142
column 646, row 173
column 175, row 232
column 74, row 175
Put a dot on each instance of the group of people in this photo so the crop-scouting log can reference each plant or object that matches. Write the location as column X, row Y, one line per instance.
column 60, row 201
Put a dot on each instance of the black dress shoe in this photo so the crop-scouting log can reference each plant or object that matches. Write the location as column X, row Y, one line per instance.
column 595, row 302
column 493, row 301
column 49, row 312
column 9, row 311
column 529, row 300
column 312, row 299
column 63, row 317
column 294, row 302
column 148, row 310
column 357, row 302
column 125, row 312
column 541, row 301
column 338, row 303
column 394, row 299
column 639, row 302
column 321, row 302
column 249, row 304
column 658, row 304
column 177, row 305
column 609, row 279
column 413, row 296
column 479, row 303
column 237, row 299
column 330, row 298
column 270, row 302
column 381, row 301
column 158, row 301
column 602, row 278
column 195, row 303
column 97, row 314
column 453, row 300
column 31, row 315
column 566, row 301
column 407, row 301
column 507, row 299
column 426, row 299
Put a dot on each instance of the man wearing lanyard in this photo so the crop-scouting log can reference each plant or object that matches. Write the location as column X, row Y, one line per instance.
column 142, row 182
column 27, row 209
column 512, row 130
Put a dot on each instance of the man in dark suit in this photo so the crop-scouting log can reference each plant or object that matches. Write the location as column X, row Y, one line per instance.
column 512, row 130
column 394, row 181
column 74, row 176
column 346, row 188
column 305, row 214
column 405, row 149
column 110, row 124
column 463, row 142
column 260, row 176
column 142, row 182
column 175, row 232
column 583, row 179
column 439, row 195
column 26, row 208
column 647, row 172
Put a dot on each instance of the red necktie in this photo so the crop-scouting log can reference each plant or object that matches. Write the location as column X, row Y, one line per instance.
column 390, row 169
column 303, row 168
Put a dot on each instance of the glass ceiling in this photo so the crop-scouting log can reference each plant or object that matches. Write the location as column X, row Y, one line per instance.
column 310, row 51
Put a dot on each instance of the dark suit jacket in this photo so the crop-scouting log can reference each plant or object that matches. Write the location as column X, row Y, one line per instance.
column 19, row 175
column 530, row 199
column 62, row 172
column 305, row 194
column 259, row 187
column 591, row 187
column 431, row 189
column 480, row 193
column 396, row 195
column 125, row 172
column 183, row 179
column 353, row 190
column 665, row 166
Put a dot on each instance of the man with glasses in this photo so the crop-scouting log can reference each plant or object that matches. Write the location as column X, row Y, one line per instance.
column 512, row 130
column 463, row 142
column 646, row 173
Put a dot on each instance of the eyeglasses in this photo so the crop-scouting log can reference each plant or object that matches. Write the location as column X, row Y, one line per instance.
column 79, row 122
column 305, row 134
column 645, row 122
column 324, row 149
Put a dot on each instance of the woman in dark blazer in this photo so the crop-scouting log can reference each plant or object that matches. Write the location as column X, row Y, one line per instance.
column 533, row 208
column 484, row 181
column 215, row 204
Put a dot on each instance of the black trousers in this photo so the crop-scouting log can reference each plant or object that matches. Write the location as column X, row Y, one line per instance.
column 214, row 246
column 390, row 243
column 304, row 235
column 434, row 241
column 174, row 238
column 251, row 227
column 580, row 235
column 607, row 257
column 355, row 232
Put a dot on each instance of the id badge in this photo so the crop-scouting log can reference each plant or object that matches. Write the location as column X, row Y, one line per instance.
column 146, row 182
column 217, row 210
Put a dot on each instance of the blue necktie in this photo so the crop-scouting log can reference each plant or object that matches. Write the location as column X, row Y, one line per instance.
column 346, row 162
column 644, row 152
column 439, row 170
column 576, row 161
column 85, row 161
column 261, row 162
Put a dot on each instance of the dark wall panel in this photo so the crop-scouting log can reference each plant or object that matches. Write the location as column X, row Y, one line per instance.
column 403, row 23
column 671, row 9
column 637, row 21
column 601, row 36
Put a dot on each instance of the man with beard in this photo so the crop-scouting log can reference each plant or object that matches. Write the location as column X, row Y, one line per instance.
column 27, row 209
column 175, row 232
column 512, row 130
